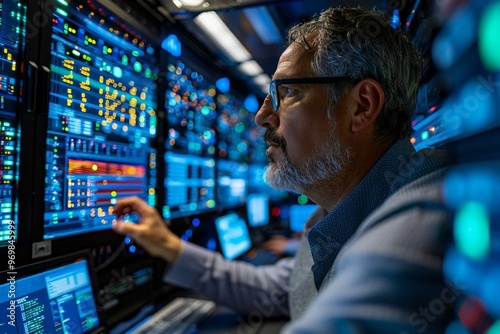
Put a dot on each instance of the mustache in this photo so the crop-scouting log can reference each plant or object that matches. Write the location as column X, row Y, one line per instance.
column 270, row 136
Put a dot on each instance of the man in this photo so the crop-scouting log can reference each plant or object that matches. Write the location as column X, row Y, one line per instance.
column 338, row 121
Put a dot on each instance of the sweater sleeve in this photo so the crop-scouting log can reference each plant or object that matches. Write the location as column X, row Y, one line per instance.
column 236, row 284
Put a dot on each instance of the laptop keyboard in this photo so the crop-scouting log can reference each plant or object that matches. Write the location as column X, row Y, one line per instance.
column 181, row 316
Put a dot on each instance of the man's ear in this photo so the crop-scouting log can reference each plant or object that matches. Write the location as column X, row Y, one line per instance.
column 369, row 98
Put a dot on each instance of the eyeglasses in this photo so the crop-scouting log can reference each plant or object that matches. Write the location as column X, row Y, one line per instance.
column 274, row 86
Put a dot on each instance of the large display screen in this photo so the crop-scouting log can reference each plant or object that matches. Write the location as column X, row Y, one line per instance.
column 191, row 142
column 102, row 119
column 12, row 18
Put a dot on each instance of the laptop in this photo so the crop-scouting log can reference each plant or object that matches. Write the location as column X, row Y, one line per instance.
column 235, row 241
column 257, row 213
column 55, row 295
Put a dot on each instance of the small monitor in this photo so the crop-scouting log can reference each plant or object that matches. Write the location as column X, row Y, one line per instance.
column 51, row 296
column 299, row 214
column 233, row 235
column 258, row 210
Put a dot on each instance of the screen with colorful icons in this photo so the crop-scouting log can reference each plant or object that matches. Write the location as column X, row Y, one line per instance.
column 12, row 19
column 101, row 119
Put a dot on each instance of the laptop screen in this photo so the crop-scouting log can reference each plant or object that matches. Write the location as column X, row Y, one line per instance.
column 258, row 210
column 49, row 299
column 299, row 215
column 233, row 235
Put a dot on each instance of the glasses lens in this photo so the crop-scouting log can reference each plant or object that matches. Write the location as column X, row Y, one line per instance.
column 274, row 94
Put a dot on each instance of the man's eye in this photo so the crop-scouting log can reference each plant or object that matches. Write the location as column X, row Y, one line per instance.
column 286, row 90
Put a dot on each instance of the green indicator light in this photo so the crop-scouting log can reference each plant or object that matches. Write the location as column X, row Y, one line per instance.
column 472, row 230
column 302, row 199
column 62, row 2
column 205, row 110
column 62, row 12
column 137, row 66
column 113, row 193
column 424, row 135
column 117, row 72
column 210, row 203
column 489, row 30
column 125, row 60
column 135, row 53
column 148, row 73
column 70, row 214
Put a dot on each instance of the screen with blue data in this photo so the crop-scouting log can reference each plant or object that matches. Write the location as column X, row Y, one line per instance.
column 231, row 182
column 101, row 119
column 299, row 214
column 258, row 210
column 191, row 142
column 233, row 235
column 57, row 300
column 12, row 18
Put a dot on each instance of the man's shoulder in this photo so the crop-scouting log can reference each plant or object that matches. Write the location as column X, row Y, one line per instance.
column 424, row 192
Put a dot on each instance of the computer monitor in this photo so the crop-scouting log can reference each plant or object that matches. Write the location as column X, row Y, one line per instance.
column 12, row 33
column 232, row 129
column 51, row 296
column 231, row 184
column 233, row 235
column 101, row 119
column 257, row 210
column 190, row 146
column 299, row 214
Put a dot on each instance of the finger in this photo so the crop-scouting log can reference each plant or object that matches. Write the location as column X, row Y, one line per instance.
column 122, row 227
column 129, row 204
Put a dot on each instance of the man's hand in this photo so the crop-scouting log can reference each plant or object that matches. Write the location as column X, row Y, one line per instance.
column 151, row 232
column 276, row 245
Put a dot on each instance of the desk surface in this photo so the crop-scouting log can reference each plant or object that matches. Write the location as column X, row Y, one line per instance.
column 227, row 321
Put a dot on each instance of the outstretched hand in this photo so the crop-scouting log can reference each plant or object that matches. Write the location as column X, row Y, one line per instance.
column 151, row 232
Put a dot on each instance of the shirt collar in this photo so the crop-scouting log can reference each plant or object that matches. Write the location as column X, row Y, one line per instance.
column 331, row 233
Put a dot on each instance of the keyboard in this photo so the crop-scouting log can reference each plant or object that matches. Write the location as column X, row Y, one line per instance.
column 181, row 316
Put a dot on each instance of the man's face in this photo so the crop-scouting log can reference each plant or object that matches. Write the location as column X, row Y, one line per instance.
column 304, row 146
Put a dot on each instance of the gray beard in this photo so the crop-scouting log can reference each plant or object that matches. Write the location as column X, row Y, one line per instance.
column 326, row 163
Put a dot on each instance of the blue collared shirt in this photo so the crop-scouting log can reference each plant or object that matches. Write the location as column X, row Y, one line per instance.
column 400, row 165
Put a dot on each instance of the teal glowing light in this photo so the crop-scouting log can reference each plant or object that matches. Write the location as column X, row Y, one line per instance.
column 424, row 135
column 472, row 230
column 207, row 135
column 166, row 212
column 242, row 147
column 137, row 66
column 125, row 60
column 240, row 127
column 117, row 72
column 62, row 12
column 205, row 110
column 495, row 329
column 302, row 199
column 136, row 53
column 489, row 30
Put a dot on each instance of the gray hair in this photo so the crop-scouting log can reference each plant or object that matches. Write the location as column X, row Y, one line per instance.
column 359, row 43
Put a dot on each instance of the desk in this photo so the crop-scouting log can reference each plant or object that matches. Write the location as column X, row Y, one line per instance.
column 227, row 321
column 223, row 321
